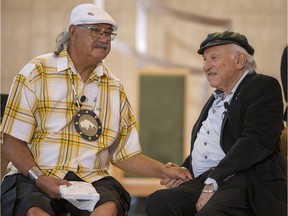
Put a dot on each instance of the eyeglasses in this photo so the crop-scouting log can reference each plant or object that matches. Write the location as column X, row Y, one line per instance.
column 97, row 33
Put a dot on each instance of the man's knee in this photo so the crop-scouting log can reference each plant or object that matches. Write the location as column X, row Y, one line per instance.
column 153, row 199
column 157, row 203
column 36, row 211
column 106, row 209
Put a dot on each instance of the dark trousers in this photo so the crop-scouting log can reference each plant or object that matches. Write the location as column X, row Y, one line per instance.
column 230, row 199
column 18, row 194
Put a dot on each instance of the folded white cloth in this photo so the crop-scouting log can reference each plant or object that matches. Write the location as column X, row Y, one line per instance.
column 81, row 194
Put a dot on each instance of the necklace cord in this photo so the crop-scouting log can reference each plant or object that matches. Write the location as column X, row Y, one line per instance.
column 75, row 93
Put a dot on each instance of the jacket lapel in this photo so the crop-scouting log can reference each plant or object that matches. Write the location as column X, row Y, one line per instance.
column 234, row 101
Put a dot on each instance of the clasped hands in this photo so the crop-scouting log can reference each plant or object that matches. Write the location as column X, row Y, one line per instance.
column 176, row 175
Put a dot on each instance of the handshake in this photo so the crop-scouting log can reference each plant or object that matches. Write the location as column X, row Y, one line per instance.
column 175, row 175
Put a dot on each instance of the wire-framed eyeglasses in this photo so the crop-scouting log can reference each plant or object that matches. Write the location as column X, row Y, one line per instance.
column 97, row 33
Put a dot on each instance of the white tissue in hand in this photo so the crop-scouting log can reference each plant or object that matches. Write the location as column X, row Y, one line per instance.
column 78, row 190
column 81, row 194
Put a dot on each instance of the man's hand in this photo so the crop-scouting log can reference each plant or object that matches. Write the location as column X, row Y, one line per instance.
column 176, row 175
column 50, row 185
column 143, row 165
column 207, row 193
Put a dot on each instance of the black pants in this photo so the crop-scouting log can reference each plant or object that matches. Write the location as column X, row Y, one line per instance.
column 18, row 194
column 231, row 199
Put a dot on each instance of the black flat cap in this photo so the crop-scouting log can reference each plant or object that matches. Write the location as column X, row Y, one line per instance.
column 226, row 37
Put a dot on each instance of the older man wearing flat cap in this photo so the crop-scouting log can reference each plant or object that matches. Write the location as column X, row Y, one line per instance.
column 66, row 119
column 235, row 161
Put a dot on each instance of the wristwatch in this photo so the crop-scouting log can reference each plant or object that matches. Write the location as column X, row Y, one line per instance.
column 33, row 174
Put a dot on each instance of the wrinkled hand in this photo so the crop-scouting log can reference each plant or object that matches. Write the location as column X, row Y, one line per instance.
column 204, row 197
column 50, row 185
column 171, row 183
column 180, row 175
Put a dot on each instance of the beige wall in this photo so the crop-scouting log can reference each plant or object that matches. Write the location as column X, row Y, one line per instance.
column 29, row 28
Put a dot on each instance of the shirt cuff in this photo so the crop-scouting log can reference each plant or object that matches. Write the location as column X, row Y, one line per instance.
column 212, row 181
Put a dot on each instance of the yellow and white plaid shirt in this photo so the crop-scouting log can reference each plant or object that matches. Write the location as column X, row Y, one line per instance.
column 40, row 111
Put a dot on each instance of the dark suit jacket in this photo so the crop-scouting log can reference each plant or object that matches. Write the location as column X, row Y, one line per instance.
column 283, row 73
column 250, row 138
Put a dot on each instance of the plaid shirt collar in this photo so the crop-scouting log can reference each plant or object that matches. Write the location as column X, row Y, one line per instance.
column 64, row 62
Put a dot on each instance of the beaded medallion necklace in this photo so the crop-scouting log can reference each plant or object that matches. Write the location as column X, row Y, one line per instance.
column 86, row 122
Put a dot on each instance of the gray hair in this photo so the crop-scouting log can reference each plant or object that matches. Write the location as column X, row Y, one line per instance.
column 250, row 64
column 62, row 41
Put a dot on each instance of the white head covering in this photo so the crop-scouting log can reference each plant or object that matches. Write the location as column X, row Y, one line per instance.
column 91, row 14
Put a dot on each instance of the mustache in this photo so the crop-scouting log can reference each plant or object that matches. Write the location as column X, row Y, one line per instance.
column 101, row 45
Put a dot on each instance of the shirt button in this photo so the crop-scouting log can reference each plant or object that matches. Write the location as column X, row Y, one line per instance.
column 206, row 157
column 205, row 143
column 208, row 132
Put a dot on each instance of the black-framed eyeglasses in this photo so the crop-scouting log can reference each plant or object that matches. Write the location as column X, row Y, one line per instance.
column 97, row 33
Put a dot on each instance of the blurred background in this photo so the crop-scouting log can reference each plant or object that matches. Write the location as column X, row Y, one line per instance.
column 156, row 48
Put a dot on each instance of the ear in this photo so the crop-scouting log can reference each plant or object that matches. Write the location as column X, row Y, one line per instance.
column 72, row 31
column 240, row 60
